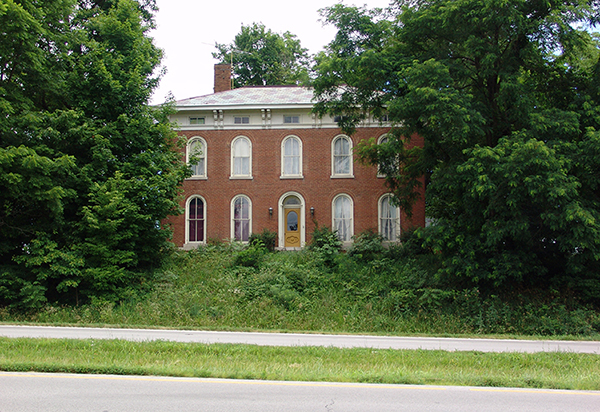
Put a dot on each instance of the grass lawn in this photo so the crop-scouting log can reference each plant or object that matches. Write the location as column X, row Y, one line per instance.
column 540, row 370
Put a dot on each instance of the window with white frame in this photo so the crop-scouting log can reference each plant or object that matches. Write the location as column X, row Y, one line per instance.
column 343, row 212
column 291, row 119
column 382, row 140
column 341, row 149
column 291, row 157
column 241, row 218
column 241, row 120
column 195, row 220
column 241, row 157
column 196, row 156
column 197, row 120
column 389, row 218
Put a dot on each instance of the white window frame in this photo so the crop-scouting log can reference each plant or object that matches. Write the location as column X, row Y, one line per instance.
column 380, row 141
column 395, row 222
column 334, row 219
column 241, row 119
column 334, row 173
column 232, row 216
column 197, row 120
column 241, row 176
column 202, row 156
column 187, row 220
column 285, row 175
column 293, row 119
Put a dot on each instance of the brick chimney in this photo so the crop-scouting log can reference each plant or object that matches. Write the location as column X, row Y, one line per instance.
column 222, row 77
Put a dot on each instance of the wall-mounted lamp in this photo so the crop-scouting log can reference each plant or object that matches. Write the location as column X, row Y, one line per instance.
column 270, row 212
column 312, row 211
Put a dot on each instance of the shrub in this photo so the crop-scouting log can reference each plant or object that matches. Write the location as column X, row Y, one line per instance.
column 326, row 243
column 367, row 246
column 267, row 237
column 252, row 255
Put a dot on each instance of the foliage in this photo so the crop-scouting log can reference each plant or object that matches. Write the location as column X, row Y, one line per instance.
column 504, row 95
column 326, row 243
column 367, row 246
column 87, row 169
column 260, row 57
column 267, row 237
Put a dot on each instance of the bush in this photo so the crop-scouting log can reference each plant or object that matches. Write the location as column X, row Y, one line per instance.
column 267, row 237
column 326, row 243
column 252, row 255
column 367, row 246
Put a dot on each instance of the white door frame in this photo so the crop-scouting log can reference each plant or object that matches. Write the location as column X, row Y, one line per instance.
column 281, row 219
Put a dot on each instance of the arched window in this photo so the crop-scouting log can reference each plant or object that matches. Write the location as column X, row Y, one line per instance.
column 241, row 218
column 241, row 157
column 196, row 152
column 389, row 218
column 291, row 157
column 195, row 220
column 382, row 140
column 343, row 212
column 341, row 149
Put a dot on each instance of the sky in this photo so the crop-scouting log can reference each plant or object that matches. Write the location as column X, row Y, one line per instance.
column 187, row 31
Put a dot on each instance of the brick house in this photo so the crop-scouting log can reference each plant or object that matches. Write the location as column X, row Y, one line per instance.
column 262, row 160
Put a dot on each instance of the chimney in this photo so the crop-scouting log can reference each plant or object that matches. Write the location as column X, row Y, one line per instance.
column 222, row 77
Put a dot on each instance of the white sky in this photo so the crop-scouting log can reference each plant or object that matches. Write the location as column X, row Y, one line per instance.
column 187, row 31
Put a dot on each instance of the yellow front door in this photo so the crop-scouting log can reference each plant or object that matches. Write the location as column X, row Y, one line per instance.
column 292, row 227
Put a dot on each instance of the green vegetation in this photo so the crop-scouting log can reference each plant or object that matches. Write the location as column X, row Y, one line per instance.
column 543, row 370
column 504, row 94
column 260, row 57
column 87, row 169
column 369, row 289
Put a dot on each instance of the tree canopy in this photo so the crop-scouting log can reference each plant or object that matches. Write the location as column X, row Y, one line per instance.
column 87, row 169
column 260, row 57
column 505, row 95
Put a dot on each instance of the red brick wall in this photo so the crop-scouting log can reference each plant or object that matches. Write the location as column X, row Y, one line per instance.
column 265, row 189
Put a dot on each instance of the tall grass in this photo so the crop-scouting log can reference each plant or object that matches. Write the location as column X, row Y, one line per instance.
column 226, row 287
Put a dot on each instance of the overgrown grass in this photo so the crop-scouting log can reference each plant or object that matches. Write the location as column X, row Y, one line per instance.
column 541, row 370
column 227, row 287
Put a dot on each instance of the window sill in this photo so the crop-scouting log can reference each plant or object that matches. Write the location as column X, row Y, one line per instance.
column 342, row 176
column 192, row 245
column 197, row 178
column 291, row 177
column 241, row 178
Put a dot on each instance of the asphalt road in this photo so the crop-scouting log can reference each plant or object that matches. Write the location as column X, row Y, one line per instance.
column 297, row 339
column 34, row 392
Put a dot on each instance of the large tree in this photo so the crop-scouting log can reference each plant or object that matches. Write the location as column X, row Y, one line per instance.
column 260, row 57
column 87, row 169
column 505, row 95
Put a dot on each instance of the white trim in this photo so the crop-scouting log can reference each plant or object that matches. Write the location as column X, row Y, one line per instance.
column 204, row 155
column 240, row 176
column 350, row 173
column 379, row 217
column 281, row 219
column 232, row 215
column 296, row 175
column 187, row 218
column 333, row 218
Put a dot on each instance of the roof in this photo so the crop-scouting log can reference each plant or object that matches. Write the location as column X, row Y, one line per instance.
column 253, row 96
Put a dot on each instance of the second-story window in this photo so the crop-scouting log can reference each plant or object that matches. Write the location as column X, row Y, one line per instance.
column 342, row 157
column 196, row 156
column 241, row 157
column 241, row 120
column 291, row 159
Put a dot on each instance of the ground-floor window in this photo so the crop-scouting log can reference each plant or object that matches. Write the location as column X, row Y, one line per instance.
column 389, row 218
column 343, row 217
column 196, row 220
column 241, row 215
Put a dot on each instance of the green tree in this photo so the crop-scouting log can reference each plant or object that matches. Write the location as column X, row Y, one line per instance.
column 505, row 95
column 87, row 169
column 260, row 57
